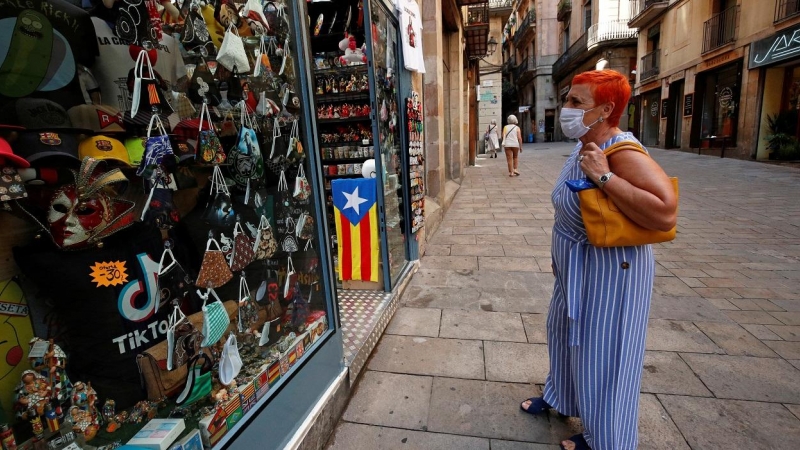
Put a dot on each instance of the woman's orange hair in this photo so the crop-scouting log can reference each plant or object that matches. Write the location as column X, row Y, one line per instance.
column 607, row 86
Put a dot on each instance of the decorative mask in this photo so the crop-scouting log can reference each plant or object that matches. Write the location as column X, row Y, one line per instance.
column 83, row 213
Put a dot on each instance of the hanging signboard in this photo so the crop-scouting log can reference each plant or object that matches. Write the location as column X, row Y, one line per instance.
column 688, row 101
column 664, row 108
column 778, row 47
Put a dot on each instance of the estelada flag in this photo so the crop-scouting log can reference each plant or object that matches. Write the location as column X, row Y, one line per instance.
column 356, row 214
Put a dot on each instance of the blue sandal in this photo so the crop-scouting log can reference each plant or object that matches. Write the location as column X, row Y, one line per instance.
column 580, row 443
column 537, row 406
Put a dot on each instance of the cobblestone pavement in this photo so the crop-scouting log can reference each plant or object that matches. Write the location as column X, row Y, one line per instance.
column 722, row 369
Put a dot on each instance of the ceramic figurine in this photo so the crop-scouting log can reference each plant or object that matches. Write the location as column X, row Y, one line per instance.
column 336, row 112
column 353, row 55
column 345, row 111
column 333, row 84
column 33, row 391
column 52, row 366
column 84, row 422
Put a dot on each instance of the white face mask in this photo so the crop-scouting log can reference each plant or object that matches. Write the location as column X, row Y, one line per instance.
column 572, row 122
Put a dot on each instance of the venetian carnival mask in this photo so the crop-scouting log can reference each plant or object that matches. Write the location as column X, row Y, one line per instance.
column 84, row 212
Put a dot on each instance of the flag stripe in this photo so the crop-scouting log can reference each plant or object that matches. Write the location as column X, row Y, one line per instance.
column 345, row 257
column 355, row 251
column 365, row 246
column 375, row 247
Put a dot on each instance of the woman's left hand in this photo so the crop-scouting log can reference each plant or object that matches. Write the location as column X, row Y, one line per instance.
column 593, row 161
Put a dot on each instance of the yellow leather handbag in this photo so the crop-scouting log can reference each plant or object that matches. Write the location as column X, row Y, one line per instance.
column 606, row 225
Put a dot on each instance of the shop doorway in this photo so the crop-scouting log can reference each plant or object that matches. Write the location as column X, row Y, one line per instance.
column 719, row 91
column 549, row 124
column 674, row 115
column 650, row 118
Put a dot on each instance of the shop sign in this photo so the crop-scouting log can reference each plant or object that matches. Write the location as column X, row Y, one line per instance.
column 650, row 86
column 721, row 59
column 664, row 108
column 676, row 76
column 488, row 83
column 688, row 101
column 523, row 109
column 778, row 47
column 654, row 109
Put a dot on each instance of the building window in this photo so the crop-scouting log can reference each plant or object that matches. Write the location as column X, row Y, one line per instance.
column 587, row 15
column 565, row 39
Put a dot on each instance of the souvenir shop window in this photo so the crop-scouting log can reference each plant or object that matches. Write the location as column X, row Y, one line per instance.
column 177, row 253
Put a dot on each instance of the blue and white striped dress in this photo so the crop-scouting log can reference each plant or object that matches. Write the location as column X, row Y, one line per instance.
column 597, row 323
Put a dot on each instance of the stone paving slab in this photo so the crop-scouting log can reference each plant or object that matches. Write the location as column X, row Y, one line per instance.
column 709, row 423
column 354, row 436
column 675, row 336
column 685, row 308
column 390, row 399
column 415, row 322
column 493, row 326
column 535, row 327
column 788, row 350
column 667, row 373
column 429, row 356
column 656, row 428
column 734, row 339
column 511, row 445
column 516, row 362
column 747, row 378
column 489, row 409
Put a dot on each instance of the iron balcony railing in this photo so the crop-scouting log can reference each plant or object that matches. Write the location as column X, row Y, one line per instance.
column 609, row 31
column 477, row 14
column 640, row 6
column 500, row 4
column 526, row 65
column 575, row 50
column 525, row 25
column 720, row 29
column 649, row 65
column 786, row 8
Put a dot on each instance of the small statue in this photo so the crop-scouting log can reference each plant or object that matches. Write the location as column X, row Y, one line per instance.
column 84, row 422
column 334, row 85
column 352, row 55
column 364, row 82
column 84, row 397
column 336, row 112
column 345, row 112
column 52, row 366
column 33, row 391
column 342, row 85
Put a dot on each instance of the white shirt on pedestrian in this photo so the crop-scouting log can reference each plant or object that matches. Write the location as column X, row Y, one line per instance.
column 510, row 138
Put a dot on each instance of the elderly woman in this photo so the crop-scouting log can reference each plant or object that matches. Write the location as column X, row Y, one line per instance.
column 512, row 143
column 492, row 139
column 597, row 321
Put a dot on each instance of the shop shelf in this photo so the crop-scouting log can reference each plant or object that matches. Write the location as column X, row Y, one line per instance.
column 346, row 119
column 345, row 144
column 348, row 175
column 346, row 97
column 345, row 160
column 346, row 70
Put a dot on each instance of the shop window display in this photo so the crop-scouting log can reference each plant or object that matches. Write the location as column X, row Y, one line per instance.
column 176, row 268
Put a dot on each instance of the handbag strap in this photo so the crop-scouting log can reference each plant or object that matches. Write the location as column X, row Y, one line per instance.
column 509, row 131
column 624, row 145
column 295, row 132
column 204, row 112
column 212, row 240
column 159, row 125
column 209, row 292
column 301, row 173
column 244, row 289
column 263, row 224
column 167, row 252
column 218, row 181
column 138, row 68
column 282, row 185
column 237, row 228
column 177, row 316
column 289, row 267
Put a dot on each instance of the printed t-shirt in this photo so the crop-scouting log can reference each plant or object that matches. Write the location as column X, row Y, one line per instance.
column 411, row 32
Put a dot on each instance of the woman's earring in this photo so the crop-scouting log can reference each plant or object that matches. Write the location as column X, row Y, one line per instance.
column 601, row 119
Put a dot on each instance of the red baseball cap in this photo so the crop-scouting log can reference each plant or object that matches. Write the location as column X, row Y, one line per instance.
column 8, row 158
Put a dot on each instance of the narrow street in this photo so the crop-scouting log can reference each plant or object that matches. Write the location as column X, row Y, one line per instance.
column 468, row 344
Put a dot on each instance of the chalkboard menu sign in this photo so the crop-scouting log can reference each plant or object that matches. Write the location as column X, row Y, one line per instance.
column 688, row 103
column 664, row 107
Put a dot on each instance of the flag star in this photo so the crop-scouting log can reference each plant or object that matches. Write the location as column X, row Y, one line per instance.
column 353, row 200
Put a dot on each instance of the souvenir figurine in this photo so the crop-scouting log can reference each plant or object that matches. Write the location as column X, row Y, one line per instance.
column 328, row 85
column 52, row 366
column 342, row 85
column 83, row 396
column 352, row 84
column 329, row 112
column 33, row 391
column 83, row 422
column 334, row 84
column 365, row 110
column 336, row 112
column 364, row 83
column 321, row 112
column 320, row 83
column 345, row 111
column 352, row 55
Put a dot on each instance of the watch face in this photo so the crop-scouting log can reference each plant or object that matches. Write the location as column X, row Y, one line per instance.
column 604, row 178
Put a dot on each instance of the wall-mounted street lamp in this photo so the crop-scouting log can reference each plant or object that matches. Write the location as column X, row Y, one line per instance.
column 491, row 46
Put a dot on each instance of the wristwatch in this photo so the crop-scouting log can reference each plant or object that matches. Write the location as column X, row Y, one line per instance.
column 604, row 179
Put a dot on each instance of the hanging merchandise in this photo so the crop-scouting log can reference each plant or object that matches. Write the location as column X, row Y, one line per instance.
column 195, row 32
column 203, row 88
column 174, row 282
column 215, row 318
column 299, row 308
column 214, row 271
column 411, row 35
column 248, row 308
column 156, row 148
column 183, row 339
column 246, row 163
column 235, row 90
column 294, row 151
column 265, row 245
column 219, row 209
column 231, row 53
column 242, row 254
column 147, row 92
column 261, row 59
column 230, row 362
column 253, row 10
column 198, row 381
column 208, row 145
column 416, row 161
column 279, row 144
column 355, row 214
column 291, row 280
column 289, row 243
column 302, row 188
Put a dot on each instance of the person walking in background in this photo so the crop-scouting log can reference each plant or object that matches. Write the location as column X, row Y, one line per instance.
column 512, row 144
column 597, row 321
column 492, row 139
